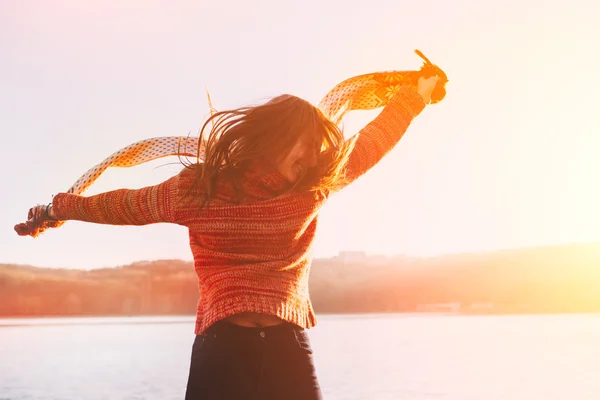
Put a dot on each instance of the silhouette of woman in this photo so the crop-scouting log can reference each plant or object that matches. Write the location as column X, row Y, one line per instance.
column 251, row 208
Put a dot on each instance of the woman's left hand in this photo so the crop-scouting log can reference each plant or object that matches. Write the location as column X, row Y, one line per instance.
column 40, row 213
column 39, row 219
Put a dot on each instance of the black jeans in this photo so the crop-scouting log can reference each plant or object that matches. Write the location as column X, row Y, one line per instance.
column 231, row 362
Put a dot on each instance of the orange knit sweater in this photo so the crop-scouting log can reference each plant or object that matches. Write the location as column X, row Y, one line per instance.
column 251, row 257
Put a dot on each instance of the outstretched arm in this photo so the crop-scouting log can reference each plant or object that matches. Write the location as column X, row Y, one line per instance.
column 148, row 205
column 380, row 136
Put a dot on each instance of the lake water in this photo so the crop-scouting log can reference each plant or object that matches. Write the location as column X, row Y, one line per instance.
column 375, row 357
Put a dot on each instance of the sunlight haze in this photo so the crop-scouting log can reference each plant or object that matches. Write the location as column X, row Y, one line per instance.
column 509, row 159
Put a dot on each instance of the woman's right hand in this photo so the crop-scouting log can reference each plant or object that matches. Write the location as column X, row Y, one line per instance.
column 425, row 87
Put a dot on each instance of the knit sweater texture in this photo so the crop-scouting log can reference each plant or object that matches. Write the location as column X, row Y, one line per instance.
column 254, row 256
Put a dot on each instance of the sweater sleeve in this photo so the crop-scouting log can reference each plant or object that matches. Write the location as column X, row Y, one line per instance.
column 148, row 205
column 380, row 136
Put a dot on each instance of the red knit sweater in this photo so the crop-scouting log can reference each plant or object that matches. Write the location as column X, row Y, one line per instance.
column 253, row 257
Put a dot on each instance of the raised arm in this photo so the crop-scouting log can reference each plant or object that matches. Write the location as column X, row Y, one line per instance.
column 148, row 205
column 380, row 136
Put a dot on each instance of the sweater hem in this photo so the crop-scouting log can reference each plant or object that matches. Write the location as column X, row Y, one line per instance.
column 302, row 314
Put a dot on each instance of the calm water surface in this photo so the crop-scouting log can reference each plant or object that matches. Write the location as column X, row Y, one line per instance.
column 358, row 357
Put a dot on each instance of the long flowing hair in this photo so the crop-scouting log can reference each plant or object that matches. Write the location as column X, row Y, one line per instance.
column 266, row 133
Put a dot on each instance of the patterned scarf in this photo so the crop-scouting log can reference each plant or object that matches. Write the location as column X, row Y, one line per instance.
column 363, row 92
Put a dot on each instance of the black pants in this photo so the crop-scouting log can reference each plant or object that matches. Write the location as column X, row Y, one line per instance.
column 230, row 362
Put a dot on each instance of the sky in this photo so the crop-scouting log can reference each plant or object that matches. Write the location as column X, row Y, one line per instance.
column 509, row 159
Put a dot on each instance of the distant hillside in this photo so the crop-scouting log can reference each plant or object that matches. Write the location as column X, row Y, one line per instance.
column 557, row 279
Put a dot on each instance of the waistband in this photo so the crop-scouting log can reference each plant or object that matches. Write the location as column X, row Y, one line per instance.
column 224, row 328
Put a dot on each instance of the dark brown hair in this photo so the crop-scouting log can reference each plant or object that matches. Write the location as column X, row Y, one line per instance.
column 267, row 133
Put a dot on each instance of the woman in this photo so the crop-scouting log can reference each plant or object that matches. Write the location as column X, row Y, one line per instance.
column 251, row 210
